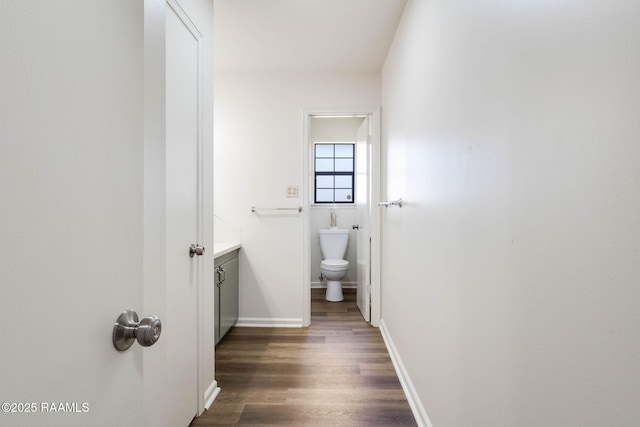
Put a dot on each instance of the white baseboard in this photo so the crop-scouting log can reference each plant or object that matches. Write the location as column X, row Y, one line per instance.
column 419, row 413
column 257, row 322
column 323, row 285
column 210, row 394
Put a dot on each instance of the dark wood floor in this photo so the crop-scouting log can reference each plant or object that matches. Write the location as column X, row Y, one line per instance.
column 335, row 373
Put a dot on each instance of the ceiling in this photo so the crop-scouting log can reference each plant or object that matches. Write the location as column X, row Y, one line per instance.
column 303, row 35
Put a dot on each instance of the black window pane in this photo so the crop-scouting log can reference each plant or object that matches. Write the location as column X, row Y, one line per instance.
column 334, row 168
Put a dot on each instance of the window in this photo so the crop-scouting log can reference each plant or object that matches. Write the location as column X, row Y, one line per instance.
column 334, row 164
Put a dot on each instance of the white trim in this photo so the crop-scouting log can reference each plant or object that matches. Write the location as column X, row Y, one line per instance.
column 419, row 413
column 210, row 394
column 306, row 233
column 376, row 234
column 263, row 322
column 376, row 173
column 182, row 15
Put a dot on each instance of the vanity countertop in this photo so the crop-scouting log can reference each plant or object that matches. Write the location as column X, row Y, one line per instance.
column 220, row 249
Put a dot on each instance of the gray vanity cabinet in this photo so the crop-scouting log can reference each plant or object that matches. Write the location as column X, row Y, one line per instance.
column 226, row 278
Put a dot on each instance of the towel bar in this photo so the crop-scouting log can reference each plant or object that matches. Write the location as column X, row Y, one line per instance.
column 254, row 209
column 391, row 203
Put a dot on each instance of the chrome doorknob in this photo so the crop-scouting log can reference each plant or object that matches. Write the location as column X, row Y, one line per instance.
column 356, row 227
column 195, row 250
column 127, row 329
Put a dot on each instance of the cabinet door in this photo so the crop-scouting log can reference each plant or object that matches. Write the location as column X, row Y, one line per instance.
column 228, row 297
column 217, row 305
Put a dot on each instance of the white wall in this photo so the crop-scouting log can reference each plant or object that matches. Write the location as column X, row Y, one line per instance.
column 259, row 152
column 333, row 129
column 510, row 277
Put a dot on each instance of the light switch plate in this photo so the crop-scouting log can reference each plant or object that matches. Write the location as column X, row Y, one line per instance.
column 292, row 191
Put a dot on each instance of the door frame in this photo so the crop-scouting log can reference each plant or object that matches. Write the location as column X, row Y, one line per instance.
column 307, row 191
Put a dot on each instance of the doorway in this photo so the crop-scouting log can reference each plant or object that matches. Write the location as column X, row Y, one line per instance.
column 321, row 126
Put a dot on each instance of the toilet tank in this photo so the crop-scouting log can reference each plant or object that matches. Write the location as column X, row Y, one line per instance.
column 333, row 243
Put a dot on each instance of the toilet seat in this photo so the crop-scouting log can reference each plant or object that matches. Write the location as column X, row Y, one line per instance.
column 334, row 264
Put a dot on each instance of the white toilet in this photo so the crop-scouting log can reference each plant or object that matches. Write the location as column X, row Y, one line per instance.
column 333, row 246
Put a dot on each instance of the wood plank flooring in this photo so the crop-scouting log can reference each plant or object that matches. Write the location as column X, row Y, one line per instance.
column 335, row 373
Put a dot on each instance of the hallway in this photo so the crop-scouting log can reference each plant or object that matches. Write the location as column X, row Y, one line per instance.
column 336, row 372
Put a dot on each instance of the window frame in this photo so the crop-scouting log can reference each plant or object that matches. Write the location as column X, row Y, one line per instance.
column 334, row 174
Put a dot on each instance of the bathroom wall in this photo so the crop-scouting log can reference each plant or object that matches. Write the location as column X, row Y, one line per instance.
column 334, row 129
column 511, row 275
column 259, row 145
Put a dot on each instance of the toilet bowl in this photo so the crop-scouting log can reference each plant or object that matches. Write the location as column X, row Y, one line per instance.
column 334, row 271
column 333, row 246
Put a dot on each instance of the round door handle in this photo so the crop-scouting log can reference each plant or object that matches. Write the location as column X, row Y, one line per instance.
column 127, row 329
column 148, row 331
column 356, row 227
column 196, row 250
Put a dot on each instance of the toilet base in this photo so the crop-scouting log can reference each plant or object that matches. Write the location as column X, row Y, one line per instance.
column 334, row 291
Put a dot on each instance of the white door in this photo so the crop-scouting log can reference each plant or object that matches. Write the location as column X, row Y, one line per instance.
column 363, row 233
column 71, row 211
column 189, row 207
column 184, row 272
